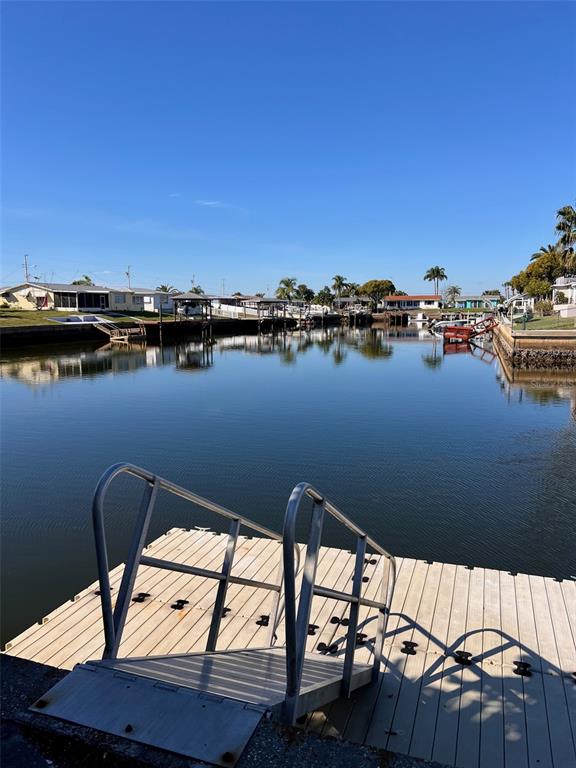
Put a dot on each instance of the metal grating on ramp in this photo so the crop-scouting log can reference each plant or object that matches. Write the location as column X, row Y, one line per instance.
column 177, row 719
column 256, row 676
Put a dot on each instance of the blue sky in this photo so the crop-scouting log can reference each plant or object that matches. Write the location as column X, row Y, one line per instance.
column 248, row 141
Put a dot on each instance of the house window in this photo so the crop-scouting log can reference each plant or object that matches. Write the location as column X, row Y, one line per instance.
column 64, row 300
column 119, row 298
column 138, row 300
column 428, row 303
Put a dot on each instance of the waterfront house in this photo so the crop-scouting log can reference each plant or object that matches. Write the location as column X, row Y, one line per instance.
column 66, row 296
column 567, row 287
column 488, row 301
column 426, row 301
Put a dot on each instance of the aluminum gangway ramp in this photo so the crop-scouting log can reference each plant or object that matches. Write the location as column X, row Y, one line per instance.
column 207, row 705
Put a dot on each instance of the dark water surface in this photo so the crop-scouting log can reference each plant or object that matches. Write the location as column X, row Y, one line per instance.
column 437, row 456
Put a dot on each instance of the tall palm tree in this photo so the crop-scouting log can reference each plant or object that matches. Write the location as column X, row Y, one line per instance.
column 436, row 274
column 338, row 285
column 451, row 292
column 566, row 226
column 286, row 289
column 163, row 288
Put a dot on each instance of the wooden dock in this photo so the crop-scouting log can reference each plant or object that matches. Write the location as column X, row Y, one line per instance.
column 480, row 667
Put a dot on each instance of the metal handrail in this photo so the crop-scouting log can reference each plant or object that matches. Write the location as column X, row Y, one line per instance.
column 297, row 619
column 114, row 619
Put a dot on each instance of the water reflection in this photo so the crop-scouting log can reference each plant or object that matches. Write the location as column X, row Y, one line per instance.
column 42, row 368
column 39, row 368
column 542, row 387
column 434, row 358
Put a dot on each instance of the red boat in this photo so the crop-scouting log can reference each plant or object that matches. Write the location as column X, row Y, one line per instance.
column 464, row 333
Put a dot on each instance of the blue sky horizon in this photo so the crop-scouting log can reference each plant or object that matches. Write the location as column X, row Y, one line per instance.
column 237, row 143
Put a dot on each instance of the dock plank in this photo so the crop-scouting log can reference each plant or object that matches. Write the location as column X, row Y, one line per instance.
column 537, row 722
column 446, row 735
column 515, row 739
column 492, row 700
column 469, row 718
column 563, row 749
column 381, row 722
column 424, row 729
column 365, row 700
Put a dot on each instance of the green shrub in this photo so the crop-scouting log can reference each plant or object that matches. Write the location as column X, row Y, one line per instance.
column 544, row 307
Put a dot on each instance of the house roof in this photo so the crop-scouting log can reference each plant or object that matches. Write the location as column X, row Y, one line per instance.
column 70, row 288
column 423, row 297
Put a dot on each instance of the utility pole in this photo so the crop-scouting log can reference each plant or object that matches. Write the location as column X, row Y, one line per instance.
column 26, row 273
column 223, row 287
column 128, row 276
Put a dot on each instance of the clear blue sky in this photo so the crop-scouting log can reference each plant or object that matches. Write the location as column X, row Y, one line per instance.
column 249, row 141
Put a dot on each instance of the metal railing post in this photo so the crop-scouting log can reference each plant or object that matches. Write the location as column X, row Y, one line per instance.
column 383, row 613
column 353, row 618
column 307, row 587
column 103, row 570
column 297, row 624
column 132, row 563
column 297, row 627
column 223, row 586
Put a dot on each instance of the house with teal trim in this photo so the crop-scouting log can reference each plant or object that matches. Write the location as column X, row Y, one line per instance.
column 477, row 302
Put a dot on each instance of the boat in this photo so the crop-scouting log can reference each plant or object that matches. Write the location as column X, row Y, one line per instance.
column 464, row 333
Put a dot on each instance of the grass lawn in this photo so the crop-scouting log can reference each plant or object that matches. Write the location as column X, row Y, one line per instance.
column 547, row 324
column 16, row 317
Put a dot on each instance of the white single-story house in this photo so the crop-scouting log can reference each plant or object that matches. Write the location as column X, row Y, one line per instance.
column 430, row 301
column 65, row 296
column 567, row 287
column 477, row 302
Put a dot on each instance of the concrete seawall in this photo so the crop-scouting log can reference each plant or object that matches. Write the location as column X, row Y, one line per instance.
column 533, row 350
column 34, row 335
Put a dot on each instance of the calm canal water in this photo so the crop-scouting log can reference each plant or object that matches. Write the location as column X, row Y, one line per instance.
column 437, row 456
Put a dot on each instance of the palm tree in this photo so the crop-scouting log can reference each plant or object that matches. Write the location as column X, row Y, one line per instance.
column 350, row 289
column 555, row 250
column 566, row 226
column 435, row 274
column 286, row 288
column 451, row 292
column 303, row 293
column 85, row 280
column 562, row 256
column 166, row 288
column 338, row 285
